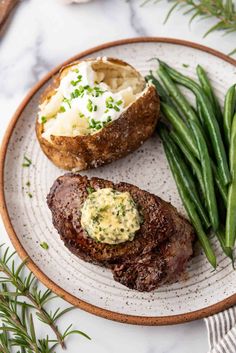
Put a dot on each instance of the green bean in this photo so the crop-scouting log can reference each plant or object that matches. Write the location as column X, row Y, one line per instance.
column 208, row 89
column 182, row 105
column 207, row 175
column 160, row 89
column 199, row 111
column 220, row 186
column 186, row 144
column 197, row 170
column 204, row 130
column 177, row 96
column 180, row 127
column 185, row 176
column 191, row 159
column 229, row 107
column 231, row 205
column 190, row 208
column 221, row 237
column 211, row 122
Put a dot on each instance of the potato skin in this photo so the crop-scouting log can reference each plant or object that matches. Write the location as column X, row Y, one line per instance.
column 121, row 137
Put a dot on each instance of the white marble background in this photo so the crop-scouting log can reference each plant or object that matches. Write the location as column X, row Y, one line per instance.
column 42, row 34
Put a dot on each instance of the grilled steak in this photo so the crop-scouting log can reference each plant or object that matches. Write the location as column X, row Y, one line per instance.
column 159, row 251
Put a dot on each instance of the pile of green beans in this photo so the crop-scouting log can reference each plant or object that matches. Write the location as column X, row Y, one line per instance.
column 209, row 118
column 188, row 203
column 200, row 146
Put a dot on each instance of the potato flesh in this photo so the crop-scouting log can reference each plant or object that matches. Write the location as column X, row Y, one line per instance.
column 123, row 84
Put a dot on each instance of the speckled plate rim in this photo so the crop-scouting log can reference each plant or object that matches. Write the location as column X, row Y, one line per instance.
column 131, row 319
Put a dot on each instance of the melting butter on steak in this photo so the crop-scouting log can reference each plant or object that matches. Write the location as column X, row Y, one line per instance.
column 159, row 251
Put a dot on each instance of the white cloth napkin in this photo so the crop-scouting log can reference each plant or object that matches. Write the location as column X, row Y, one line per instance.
column 222, row 331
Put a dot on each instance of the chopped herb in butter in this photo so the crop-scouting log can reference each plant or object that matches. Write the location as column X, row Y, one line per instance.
column 110, row 216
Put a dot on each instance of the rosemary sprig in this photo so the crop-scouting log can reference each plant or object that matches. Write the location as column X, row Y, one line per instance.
column 4, row 341
column 17, row 315
column 222, row 10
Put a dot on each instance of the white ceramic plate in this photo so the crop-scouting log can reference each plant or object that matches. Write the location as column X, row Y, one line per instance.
column 28, row 220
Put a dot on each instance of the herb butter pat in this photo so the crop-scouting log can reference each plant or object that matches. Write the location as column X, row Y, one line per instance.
column 85, row 101
column 110, row 216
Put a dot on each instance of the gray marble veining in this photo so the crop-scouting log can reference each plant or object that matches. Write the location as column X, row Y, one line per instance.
column 135, row 20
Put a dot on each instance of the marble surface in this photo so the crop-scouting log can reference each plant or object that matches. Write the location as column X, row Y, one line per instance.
column 43, row 33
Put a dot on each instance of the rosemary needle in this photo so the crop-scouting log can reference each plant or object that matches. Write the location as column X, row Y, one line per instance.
column 20, row 299
column 223, row 11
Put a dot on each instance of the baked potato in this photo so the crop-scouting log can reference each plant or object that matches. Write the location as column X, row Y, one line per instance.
column 96, row 111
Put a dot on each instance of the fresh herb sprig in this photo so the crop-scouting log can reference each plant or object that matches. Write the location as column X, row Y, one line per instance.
column 223, row 11
column 20, row 298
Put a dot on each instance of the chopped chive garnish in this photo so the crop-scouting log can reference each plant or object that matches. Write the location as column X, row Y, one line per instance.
column 77, row 93
column 27, row 162
column 90, row 106
column 89, row 89
column 109, row 99
column 116, row 108
column 44, row 245
column 185, row 65
column 43, row 119
column 96, row 125
column 67, row 101
column 106, row 122
column 28, row 183
column 29, row 194
column 90, row 190
column 79, row 78
column 62, row 109
column 111, row 104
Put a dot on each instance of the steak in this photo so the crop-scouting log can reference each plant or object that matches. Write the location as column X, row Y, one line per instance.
column 159, row 251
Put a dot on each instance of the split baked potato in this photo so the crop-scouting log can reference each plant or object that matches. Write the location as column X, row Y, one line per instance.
column 96, row 111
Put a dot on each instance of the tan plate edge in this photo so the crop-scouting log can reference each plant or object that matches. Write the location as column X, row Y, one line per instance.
column 131, row 319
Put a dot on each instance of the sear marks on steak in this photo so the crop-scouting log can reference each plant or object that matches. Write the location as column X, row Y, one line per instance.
column 163, row 264
column 158, row 253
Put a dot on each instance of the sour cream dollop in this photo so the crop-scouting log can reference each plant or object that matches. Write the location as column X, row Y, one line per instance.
column 82, row 104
